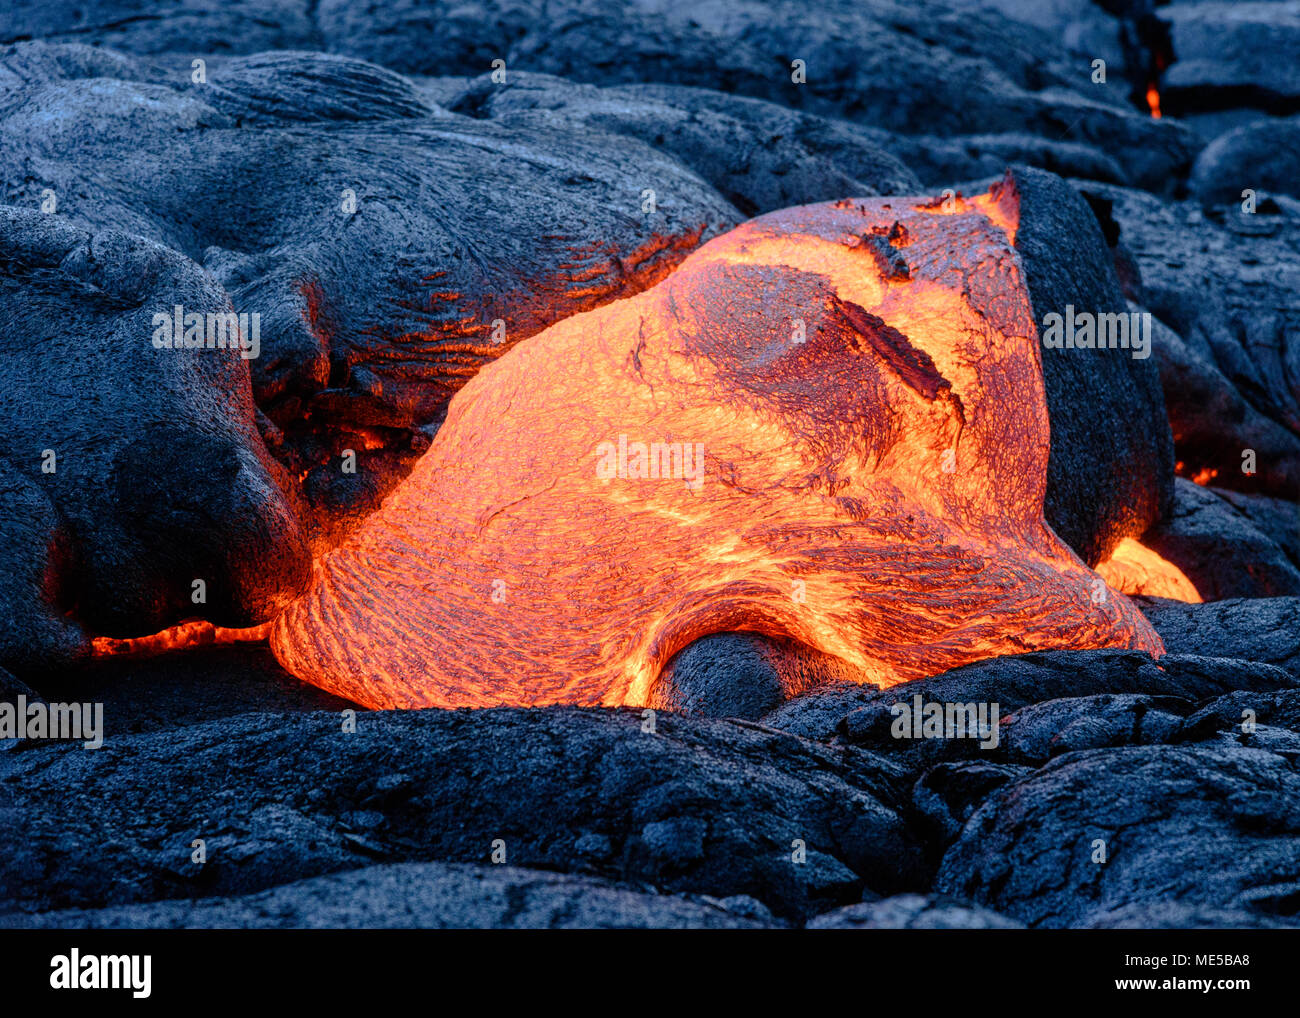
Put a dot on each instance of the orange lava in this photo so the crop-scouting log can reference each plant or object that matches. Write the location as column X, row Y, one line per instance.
column 196, row 633
column 1135, row 569
column 861, row 383
column 1153, row 101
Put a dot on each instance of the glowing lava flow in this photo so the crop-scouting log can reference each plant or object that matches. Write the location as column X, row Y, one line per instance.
column 862, row 381
column 195, row 633
column 1133, row 568
column 1153, row 102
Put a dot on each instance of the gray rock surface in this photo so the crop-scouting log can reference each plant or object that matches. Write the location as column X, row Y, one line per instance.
column 760, row 156
column 1221, row 550
column 1226, row 286
column 1103, row 483
column 742, row 675
column 187, row 687
column 1254, row 629
column 132, row 472
column 414, row 896
column 710, row 806
column 1038, row 732
column 912, row 912
column 1261, row 156
column 1233, row 54
column 860, row 714
column 1208, row 826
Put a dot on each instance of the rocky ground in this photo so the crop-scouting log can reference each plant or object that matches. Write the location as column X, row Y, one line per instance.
column 400, row 211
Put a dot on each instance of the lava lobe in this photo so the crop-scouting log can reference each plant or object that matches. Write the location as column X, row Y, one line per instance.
column 875, row 440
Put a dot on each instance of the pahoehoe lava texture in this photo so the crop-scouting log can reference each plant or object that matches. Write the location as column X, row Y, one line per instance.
column 359, row 175
column 618, row 802
column 158, row 479
column 871, row 439
column 379, row 238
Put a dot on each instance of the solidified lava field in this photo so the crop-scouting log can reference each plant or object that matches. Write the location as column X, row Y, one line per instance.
column 587, row 464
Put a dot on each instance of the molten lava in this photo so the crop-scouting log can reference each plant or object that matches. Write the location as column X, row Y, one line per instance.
column 195, row 633
column 860, row 383
column 1153, row 102
column 1135, row 569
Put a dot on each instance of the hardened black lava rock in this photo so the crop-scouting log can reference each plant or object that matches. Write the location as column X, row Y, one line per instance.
column 390, row 248
column 1225, row 283
column 714, row 807
column 864, row 716
column 1111, row 470
column 759, row 155
column 1223, row 551
column 742, row 675
column 1259, row 157
column 425, row 896
column 928, row 68
column 1210, row 826
column 1266, row 630
column 913, row 912
column 1232, row 54
column 133, row 472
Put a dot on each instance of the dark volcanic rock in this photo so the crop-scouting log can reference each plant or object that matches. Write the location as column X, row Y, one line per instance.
column 133, row 471
column 1232, row 54
column 1215, row 827
column 1276, row 518
column 1227, row 713
column 1227, row 287
column 760, row 156
column 947, row 794
column 144, row 694
column 716, row 807
column 1110, row 474
column 369, row 319
column 928, row 70
column 940, row 161
column 11, row 689
column 1220, row 550
column 1041, row 731
column 1264, row 629
column 1171, row 915
column 184, row 26
column 742, row 675
column 1214, row 425
column 1260, row 156
column 913, row 912
column 415, row 896
column 861, row 715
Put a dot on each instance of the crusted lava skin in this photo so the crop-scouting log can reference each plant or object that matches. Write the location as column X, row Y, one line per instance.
column 873, row 486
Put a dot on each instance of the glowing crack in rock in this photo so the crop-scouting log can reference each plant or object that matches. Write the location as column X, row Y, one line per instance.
column 863, row 381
